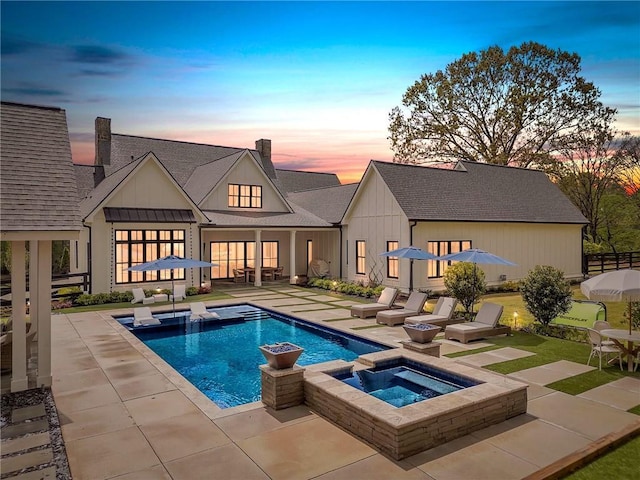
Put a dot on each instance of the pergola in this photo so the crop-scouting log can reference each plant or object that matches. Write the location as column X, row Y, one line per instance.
column 38, row 204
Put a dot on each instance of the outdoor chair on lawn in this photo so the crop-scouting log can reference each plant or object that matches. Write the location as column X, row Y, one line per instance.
column 600, row 325
column 484, row 325
column 414, row 306
column 441, row 316
column 139, row 297
column 199, row 311
column 600, row 349
column 142, row 317
column 385, row 302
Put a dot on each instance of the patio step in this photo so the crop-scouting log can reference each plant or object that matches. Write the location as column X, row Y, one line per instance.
column 26, row 445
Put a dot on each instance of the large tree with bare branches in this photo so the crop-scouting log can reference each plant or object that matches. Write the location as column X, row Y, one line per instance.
column 510, row 108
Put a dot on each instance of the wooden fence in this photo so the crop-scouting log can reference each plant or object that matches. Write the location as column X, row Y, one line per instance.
column 606, row 262
column 58, row 281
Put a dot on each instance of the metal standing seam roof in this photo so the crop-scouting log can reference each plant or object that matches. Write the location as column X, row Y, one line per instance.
column 38, row 189
column 328, row 203
column 477, row 192
column 148, row 215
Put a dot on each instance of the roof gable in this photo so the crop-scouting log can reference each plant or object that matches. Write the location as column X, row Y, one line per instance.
column 204, row 178
column 140, row 184
column 38, row 190
column 328, row 203
column 477, row 192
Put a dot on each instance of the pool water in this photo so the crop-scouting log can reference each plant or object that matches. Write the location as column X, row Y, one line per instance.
column 221, row 357
column 401, row 385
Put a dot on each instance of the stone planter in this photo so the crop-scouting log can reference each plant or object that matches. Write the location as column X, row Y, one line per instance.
column 281, row 355
column 421, row 333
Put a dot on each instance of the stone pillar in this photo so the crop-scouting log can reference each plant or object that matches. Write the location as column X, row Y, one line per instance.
column 43, row 297
column 258, row 264
column 292, row 257
column 282, row 388
column 19, row 380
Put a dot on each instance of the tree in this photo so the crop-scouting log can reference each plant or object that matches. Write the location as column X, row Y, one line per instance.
column 465, row 282
column 546, row 293
column 508, row 108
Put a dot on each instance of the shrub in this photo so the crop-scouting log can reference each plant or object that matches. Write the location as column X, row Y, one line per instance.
column 204, row 289
column 635, row 315
column 465, row 282
column 71, row 292
column 546, row 293
column 191, row 291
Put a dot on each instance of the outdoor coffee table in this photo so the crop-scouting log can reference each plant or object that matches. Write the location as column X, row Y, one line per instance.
column 619, row 336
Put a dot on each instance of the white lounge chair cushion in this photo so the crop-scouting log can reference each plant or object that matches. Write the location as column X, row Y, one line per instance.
column 420, row 319
column 142, row 317
column 388, row 296
column 199, row 311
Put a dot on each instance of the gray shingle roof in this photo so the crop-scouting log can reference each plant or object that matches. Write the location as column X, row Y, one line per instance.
column 299, row 218
column 179, row 158
column 327, row 203
column 297, row 181
column 477, row 192
column 37, row 182
column 84, row 179
column 205, row 177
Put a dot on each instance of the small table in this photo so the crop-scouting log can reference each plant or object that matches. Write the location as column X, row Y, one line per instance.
column 618, row 336
column 161, row 297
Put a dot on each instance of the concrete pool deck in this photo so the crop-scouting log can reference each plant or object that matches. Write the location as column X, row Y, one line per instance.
column 124, row 414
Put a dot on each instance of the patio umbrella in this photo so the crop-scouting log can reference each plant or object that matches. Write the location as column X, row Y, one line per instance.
column 475, row 256
column 618, row 286
column 412, row 253
column 171, row 262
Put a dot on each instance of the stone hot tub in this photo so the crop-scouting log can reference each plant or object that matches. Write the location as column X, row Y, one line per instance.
column 486, row 399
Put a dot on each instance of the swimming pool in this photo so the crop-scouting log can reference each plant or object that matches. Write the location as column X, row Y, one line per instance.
column 221, row 357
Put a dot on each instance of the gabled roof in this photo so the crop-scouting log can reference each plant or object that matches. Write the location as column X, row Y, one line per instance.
column 84, row 179
column 179, row 158
column 297, row 181
column 327, row 203
column 205, row 177
column 37, row 182
column 298, row 218
column 113, row 182
column 477, row 192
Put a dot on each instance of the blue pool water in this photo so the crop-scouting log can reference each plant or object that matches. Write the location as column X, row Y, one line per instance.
column 405, row 382
column 221, row 357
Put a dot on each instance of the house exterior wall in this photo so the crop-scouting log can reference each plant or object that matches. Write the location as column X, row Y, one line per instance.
column 526, row 244
column 150, row 187
column 376, row 218
column 245, row 172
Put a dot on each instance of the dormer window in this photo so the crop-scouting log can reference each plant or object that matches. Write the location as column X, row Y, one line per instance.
column 245, row 196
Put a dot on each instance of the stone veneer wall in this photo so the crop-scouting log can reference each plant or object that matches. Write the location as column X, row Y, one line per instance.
column 412, row 429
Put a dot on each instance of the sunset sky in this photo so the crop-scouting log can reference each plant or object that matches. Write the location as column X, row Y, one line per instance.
column 317, row 78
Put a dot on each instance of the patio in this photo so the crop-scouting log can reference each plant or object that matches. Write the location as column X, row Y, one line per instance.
column 125, row 413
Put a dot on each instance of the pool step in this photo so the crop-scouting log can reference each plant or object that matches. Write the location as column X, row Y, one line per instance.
column 425, row 381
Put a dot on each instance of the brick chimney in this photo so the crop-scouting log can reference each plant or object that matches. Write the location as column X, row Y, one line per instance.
column 263, row 146
column 103, row 141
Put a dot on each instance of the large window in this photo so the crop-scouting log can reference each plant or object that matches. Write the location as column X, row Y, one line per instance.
column 245, row 196
column 361, row 247
column 392, row 262
column 234, row 255
column 436, row 269
column 134, row 247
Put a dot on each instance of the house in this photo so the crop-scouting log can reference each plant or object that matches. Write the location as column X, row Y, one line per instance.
column 38, row 204
column 518, row 214
column 145, row 198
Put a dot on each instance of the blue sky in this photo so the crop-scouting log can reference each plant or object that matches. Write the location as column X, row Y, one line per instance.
column 317, row 78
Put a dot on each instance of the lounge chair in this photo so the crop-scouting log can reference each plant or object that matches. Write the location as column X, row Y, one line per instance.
column 414, row 306
column 142, row 317
column 139, row 297
column 441, row 316
column 179, row 293
column 484, row 325
column 199, row 311
column 384, row 302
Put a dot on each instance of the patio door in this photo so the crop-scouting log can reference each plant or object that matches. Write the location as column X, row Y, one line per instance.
column 230, row 256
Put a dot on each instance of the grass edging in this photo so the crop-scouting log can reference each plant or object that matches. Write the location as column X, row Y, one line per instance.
column 564, row 466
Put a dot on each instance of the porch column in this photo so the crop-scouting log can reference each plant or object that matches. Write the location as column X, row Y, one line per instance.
column 292, row 257
column 33, row 282
column 19, row 380
column 258, row 264
column 43, row 297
